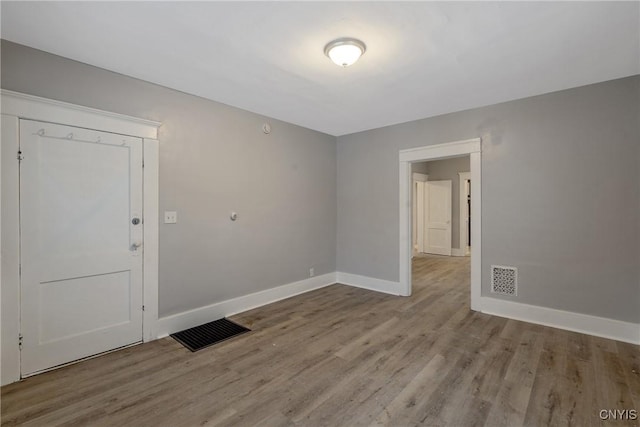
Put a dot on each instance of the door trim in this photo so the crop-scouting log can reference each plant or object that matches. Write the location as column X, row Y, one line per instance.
column 150, row 250
column 419, row 220
column 31, row 107
column 17, row 106
column 471, row 147
column 462, row 180
column 418, row 244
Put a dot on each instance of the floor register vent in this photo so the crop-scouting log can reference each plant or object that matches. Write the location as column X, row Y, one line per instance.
column 504, row 280
column 208, row 334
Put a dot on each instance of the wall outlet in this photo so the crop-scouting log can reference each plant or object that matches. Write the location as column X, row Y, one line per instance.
column 312, row 272
column 170, row 217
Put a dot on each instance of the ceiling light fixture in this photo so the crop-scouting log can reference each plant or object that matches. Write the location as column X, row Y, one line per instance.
column 344, row 51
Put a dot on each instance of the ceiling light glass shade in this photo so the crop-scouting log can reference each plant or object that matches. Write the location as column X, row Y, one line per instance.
column 345, row 52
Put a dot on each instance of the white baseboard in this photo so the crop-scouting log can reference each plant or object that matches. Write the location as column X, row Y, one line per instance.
column 454, row 252
column 373, row 284
column 458, row 252
column 577, row 322
column 189, row 319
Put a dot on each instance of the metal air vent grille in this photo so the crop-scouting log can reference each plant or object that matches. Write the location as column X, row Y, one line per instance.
column 504, row 280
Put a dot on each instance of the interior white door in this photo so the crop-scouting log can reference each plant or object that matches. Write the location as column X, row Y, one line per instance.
column 81, row 237
column 437, row 234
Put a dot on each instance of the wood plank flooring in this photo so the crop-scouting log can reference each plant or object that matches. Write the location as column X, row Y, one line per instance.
column 343, row 356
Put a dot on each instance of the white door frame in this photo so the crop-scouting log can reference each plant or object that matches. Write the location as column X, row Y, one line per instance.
column 417, row 213
column 472, row 147
column 463, row 177
column 16, row 106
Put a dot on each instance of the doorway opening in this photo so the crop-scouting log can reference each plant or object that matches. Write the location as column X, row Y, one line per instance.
column 441, row 207
column 407, row 158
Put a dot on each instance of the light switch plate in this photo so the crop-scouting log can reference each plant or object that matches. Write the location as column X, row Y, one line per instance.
column 170, row 217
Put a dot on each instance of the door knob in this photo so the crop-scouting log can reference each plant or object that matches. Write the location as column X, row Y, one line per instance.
column 135, row 246
column 135, row 221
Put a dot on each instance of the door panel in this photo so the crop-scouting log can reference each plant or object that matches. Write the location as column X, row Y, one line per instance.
column 81, row 266
column 59, row 314
column 438, row 217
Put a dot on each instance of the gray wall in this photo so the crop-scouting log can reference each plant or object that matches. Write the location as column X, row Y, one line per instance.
column 419, row 167
column 561, row 199
column 441, row 170
column 560, row 194
column 213, row 159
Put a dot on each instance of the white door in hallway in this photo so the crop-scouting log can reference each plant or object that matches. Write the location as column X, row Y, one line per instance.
column 81, row 243
column 437, row 235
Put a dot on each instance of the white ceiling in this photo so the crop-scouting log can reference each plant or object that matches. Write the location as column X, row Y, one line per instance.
column 422, row 59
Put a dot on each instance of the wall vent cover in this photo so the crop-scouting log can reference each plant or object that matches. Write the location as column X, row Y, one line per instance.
column 504, row 280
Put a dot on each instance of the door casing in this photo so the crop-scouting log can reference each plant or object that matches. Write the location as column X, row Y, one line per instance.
column 463, row 212
column 16, row 106
column 472, row 147
column 418, row 212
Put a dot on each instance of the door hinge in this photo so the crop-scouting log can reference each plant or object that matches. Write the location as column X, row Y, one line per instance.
column 143, row 308
column 20, row 341
column 20, row 156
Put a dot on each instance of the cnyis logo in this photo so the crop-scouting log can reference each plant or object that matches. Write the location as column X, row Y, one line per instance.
column 618, row 414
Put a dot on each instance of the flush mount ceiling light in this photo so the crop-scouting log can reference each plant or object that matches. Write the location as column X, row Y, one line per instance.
column 344, row 51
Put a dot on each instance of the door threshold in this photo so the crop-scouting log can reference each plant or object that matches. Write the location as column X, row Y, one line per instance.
column 73, row 362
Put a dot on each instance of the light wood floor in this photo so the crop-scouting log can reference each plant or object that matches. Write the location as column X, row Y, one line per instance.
column 343, row 356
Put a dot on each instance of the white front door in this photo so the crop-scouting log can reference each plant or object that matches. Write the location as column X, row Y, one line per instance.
column 81, row 237
column 438, row 217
